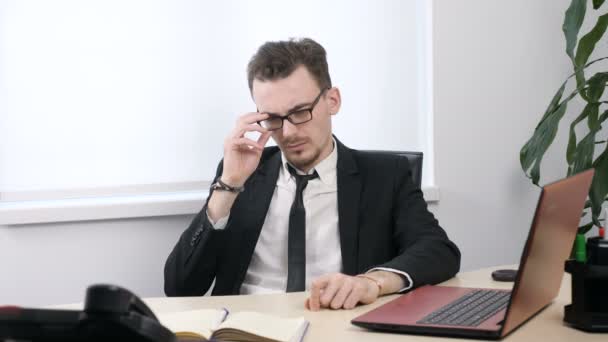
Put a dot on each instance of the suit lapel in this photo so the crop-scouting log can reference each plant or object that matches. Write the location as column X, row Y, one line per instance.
column 349, row 191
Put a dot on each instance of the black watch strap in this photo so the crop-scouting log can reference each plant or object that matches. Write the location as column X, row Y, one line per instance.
column 219, row 185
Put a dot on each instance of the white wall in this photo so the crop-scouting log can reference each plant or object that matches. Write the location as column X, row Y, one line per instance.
column 148, row 99
column 496, row 65
column 54, row 263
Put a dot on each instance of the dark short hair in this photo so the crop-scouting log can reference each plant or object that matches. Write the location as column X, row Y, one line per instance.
column 276, row 60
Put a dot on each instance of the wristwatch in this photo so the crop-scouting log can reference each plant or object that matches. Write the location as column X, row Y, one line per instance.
column 219, row 185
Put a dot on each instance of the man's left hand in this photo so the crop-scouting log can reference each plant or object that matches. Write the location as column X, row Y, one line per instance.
column 339, row 291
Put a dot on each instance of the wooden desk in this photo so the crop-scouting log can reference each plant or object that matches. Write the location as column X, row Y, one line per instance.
column 334, row 325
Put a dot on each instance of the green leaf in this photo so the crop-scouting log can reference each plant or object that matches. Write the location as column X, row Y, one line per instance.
column 553, row 105
column 603, row 117
column 596, row 86
column 585, row 228
column 575, row 14
column 587, row 204
column 597, row 3
column 580, row 81
column 599, row 186
column 527, row 155
column 579, row 86
column 593, row 122
column 583, row 156
column 589, row 109
column 587, row 43
column 533, row 151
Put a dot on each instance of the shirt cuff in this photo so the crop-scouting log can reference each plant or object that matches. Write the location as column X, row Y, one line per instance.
column 408, row 279
column 220, row 224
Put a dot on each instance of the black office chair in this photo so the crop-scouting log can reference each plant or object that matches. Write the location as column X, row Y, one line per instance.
column 415, row 160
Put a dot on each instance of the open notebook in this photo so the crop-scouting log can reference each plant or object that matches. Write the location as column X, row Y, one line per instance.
column 240, row 326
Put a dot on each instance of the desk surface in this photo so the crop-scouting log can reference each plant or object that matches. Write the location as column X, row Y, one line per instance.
column 334, row 325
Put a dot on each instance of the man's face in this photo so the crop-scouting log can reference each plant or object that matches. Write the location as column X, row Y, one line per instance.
column 306, row 144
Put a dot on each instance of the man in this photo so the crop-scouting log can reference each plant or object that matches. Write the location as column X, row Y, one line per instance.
column 313, row 214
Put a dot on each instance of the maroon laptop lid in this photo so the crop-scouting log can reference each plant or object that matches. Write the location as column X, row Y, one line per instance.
column 549, row 242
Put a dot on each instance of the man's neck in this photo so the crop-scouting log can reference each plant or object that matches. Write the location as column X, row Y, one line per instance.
column 322, row 156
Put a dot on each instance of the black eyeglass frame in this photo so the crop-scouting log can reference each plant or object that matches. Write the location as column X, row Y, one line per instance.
column 288, row 116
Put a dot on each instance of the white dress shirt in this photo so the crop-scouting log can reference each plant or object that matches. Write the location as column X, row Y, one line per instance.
column 267, row 272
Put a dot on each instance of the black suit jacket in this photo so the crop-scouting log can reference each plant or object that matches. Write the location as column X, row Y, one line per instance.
column 383, row 222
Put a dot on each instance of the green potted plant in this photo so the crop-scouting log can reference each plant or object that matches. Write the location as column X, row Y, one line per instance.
column 586, row 150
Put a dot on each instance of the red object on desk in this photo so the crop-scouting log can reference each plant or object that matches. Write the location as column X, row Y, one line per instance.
column 9, row 309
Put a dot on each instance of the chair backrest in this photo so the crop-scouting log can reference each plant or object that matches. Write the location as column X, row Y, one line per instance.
column 415, row 160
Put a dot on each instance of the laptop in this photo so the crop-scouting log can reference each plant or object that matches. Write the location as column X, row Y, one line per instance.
column 491, row 313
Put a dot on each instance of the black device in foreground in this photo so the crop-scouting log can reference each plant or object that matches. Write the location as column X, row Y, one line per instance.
column 504, row 275
column 589, row 308
column 110, row 313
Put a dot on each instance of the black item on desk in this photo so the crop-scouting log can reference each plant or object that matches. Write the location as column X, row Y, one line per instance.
column 597, row 251
column 111, row 313
column 589, row 308
column 504, row 275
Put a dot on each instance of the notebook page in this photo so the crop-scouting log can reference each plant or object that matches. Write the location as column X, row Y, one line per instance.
column 201, row 322
column 270, row 327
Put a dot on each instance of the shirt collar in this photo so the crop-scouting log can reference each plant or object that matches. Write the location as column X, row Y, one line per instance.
column 326, row 168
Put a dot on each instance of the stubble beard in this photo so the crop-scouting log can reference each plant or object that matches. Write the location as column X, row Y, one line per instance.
column 301, row 161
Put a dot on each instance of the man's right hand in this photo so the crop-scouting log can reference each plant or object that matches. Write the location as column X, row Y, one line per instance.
column 241, row 154
column 241, row 158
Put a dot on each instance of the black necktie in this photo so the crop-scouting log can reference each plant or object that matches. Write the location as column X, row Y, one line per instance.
column 296, row 247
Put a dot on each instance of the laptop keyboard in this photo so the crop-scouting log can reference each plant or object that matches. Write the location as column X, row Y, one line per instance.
column 469, row 310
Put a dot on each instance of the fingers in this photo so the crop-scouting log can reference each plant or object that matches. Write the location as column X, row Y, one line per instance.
column 246, row 143
column 338, row 301
column 242, row 129
column 354, row 297
column 338, row 291
column 331, row 289
column 251, row 118
column 263, row 139
column 317, row 286
column 242, row 152
column 248, row 123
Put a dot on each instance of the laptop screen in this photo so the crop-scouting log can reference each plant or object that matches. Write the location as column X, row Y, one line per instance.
column 549, row 243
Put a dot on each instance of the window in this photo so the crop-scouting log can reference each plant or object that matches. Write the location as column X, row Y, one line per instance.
column 114, row 99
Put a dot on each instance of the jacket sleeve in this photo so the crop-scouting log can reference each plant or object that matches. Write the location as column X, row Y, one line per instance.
column 192, row 265
column 424, row 250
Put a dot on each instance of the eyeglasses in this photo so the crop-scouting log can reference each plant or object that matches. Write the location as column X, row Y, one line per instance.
column 296, row 117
